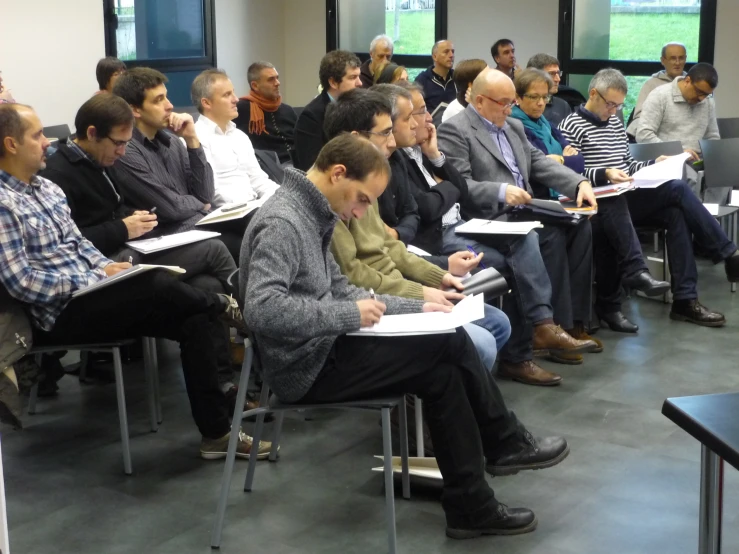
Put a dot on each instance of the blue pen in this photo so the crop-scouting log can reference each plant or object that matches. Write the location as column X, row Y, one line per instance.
column 482, row 265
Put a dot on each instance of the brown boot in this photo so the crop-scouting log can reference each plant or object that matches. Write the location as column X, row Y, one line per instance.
column 552, row 339
column 529, row 373
column 578, row 332
column 566, row 359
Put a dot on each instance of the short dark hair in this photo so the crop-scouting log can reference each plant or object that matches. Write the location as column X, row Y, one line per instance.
column 134, row 83
column 540, row 61
column 704, row 72
column 497, row 44
column 360, row 157
column 106, row 68
column 334, row 66
column 103, row 111
column 528, row 77
column 355, row 110
column 11, row 124
column 465, row 73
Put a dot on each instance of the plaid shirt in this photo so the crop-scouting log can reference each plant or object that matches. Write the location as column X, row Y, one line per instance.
column 43, row 256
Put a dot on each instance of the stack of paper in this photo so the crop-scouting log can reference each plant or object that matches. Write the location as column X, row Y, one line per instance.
column 147, row 246
column 493, row 227
column 654, row 175
column 468, row 310
column 227, row 212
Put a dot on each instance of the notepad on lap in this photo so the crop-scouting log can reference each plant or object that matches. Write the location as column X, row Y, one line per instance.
column 165, row 242
column 123, row 275
column 227, row 211
column 492, row 227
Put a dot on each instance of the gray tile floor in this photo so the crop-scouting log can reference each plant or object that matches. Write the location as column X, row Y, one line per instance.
column 630, row 484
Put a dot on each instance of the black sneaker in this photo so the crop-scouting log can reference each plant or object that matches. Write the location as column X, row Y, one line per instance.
column 503, row 521
column 530, row 453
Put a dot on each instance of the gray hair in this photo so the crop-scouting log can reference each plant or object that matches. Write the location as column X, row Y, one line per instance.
column 540, row 61
column 255, row 71
column 392, row 93
column 379, row 39
column 528, row 77
column 202, row 86
column 411, row 87
column 664, row 48
column 607, row 79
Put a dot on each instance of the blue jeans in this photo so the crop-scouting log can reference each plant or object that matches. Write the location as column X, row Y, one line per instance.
column 489, row 334
column 519, row 260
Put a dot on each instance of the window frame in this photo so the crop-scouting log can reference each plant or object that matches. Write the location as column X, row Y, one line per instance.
column 165, row 65
column 411, row 61
column 581, row 66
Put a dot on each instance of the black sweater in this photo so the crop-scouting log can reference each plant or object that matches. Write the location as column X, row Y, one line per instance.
column 398, row 209
column 279, row 135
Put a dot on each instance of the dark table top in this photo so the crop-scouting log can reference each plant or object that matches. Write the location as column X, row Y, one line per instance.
column 712, row 419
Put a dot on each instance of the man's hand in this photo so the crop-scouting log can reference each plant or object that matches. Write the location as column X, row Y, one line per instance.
column 461, row 263
column 116, row 267
column 515, row 196
column 585, row 192
column 440, row 296
column 370, row 312
column 206, row 207
column 557, row 158
column 618, row 176
column 569, row 150
column 430, row 146
column 468, row 95
column 182, row 125
column 450, row 281
column 140, row 223
column 392, row 232
column 433, row 307
column 694, row 156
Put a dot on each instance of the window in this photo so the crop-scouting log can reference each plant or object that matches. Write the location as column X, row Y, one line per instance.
column 628, row 35
column 414, row 25
column 174, row 36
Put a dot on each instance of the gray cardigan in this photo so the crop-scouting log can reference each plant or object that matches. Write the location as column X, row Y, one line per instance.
column 296, row 301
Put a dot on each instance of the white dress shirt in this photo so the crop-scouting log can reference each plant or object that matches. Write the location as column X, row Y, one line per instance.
column 238, row 175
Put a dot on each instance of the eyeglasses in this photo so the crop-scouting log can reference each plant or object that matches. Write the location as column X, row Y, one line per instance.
column 118, row 143
column 557, row 73
column 536, row 97
column 422, row 111
column 504, row 105
column 675, row 59
column 610, row 105
column 702, row 93
column 383, row 134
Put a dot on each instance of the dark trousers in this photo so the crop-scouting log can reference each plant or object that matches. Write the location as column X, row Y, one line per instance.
column 567, row 252
column 155, row 305
column 208, row 265
column 465, row 411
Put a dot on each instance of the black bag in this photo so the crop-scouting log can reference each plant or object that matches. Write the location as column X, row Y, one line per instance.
column 549, row 212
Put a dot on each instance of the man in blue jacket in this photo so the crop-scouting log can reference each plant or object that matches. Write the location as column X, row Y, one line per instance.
column 438, row 80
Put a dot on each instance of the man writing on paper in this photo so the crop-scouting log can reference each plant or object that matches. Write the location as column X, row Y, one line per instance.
column 44, row 259
column 79, row 167
column 300, row 308
column 599, row 135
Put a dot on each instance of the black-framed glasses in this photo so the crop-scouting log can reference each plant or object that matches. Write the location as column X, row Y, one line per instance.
column 384, row 134
column 702, row 93
column 536, row 97
column 504, row 105
column 553, row 74
column 610, row 105
column 118, row 143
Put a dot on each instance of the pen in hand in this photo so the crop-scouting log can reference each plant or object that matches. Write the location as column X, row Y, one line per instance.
column 372, row 294
column 153, row 210
column 482, row 265
column 130, row 260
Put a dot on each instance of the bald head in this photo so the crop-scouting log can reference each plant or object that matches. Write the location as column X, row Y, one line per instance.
column 492, row 96
column 492, row 83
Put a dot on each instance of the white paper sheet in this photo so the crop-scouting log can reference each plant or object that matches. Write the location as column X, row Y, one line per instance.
column 492, row 227
column 712, row 208
column 657, row 174
column 219, row 215
column 417, row 251
column 165, row 242
column 734, row 201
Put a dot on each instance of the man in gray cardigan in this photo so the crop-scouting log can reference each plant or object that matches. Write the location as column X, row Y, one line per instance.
column 300, row 308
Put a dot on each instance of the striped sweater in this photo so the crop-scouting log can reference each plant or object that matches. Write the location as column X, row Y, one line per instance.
column 603, row 144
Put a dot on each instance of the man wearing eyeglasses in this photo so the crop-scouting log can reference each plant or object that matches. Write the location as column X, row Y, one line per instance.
column 674, row 56
column 557, row 108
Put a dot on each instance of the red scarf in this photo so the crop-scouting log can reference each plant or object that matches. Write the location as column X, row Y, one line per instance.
column 259, row 105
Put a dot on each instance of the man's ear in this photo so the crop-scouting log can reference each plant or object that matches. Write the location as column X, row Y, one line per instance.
column 332, row 83
column 136, row 111
column 10, row 145
column 92, row 133
column 338, row 172
column 205, row 103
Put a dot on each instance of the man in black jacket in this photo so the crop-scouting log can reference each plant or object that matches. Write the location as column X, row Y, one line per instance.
column 338, row 73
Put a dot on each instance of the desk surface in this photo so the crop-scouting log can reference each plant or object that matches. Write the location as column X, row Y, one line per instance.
column 712, row 419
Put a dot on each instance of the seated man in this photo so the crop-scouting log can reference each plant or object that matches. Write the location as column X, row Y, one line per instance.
column 238, row 176
column 504, row 56
column 673, row 58
column 372, row 259
column 464, row 75
column 338, row 73
column 300, row 308
column 381, row 52
column 685, row 111
column 556, row 109
column 157, row 170
column 107, row 72
column 263, row 116
column 437, row 81
column 492, row 153
column 79, row 168
column 45, row 260
column 599, row 135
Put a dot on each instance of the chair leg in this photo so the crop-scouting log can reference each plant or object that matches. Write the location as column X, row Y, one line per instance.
column 387, row 452
column 215, row 540
column 403, row 419
column 84, row 365
column 258, row 428
column 276, row 435
column 155, row 374
column 150, row 390
column 122, row 416
column 32, row 399
column 420, row 451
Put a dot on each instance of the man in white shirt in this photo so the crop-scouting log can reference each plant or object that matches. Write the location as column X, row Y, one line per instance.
column 238, row 176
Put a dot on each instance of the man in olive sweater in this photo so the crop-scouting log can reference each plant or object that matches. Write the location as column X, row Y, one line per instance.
column 300, row 308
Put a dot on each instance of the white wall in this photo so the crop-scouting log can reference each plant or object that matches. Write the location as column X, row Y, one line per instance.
column 305, row 45
column 50, row 50
column 727, row 44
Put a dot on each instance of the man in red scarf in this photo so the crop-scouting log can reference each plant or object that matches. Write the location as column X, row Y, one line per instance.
column 263, row 116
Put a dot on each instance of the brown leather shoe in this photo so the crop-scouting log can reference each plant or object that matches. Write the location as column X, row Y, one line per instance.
column 529, row 373
column 550, row 338
column 578, row 332
column 566, row 359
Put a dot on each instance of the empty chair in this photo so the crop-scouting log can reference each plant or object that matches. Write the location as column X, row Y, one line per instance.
column 643, row 152
column 59, row 132
column 728, row 127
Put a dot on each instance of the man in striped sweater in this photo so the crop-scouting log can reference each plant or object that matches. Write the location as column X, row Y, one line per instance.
column 599, row 135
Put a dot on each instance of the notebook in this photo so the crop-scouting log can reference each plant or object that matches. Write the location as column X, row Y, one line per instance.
column 123, row 275
column 234, row 210
column 165, row 242
column 493, row 227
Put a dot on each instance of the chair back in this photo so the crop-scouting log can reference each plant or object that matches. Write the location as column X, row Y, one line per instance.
column 643, row 152
column 270, row 164
column 721, row 162
column 728, row 127
column 60, row 132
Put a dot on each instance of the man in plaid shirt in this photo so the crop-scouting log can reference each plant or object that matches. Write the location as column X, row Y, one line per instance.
column 44, row 258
